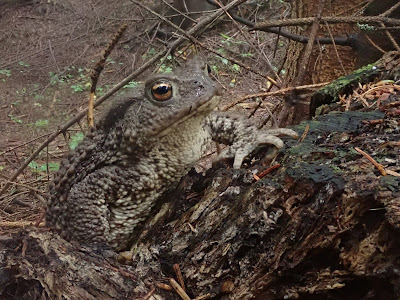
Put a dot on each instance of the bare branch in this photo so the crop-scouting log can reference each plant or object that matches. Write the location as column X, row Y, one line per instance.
column 330, row 20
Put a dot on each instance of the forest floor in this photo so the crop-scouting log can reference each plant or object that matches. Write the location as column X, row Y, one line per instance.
column 48, row 49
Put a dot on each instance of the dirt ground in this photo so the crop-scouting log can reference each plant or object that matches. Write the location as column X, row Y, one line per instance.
column 47, row 51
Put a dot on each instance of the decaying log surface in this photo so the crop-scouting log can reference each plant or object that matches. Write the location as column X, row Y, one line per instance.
column 323, row 226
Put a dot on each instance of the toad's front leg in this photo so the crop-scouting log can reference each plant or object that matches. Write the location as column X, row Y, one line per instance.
column 242, row 135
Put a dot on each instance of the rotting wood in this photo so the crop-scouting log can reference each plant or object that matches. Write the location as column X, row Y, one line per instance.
column 324, row 224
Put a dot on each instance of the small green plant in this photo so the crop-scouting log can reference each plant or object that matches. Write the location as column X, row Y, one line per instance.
column 131, row 84
column 77, row 88
column 365, row 27
column 54, row 79
column 224, row 61
column 164, row 69
column 75, row 140
column 149, row 53
column 15, row 119
column 24, row 64
column 41, row 123
column 6, row 73
column 248, row 54
column 52, row 167
column 236, row 68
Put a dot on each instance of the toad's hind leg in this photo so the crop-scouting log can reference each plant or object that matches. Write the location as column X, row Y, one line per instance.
column 87, row 217
column 107, row 207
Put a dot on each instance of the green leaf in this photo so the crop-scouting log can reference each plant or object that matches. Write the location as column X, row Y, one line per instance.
column 41, row 123
column 225, row 36
column 224, row 61
column 5, row 72
column 24, row 64
column 236, row 68
column 131, row 84
column 34, row 166
column 52, row 167
column 75, row 140
column 77, row 88
column 19, row 121
column 248, row 54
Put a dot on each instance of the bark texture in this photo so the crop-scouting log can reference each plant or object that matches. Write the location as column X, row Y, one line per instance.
column 323, row 226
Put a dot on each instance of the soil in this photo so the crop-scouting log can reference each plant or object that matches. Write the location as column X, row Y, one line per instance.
column 47, row 51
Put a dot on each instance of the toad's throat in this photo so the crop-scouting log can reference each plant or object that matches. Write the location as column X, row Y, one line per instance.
column 205, row 108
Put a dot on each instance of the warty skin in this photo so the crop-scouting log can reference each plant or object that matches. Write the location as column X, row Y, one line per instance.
column 105, row 190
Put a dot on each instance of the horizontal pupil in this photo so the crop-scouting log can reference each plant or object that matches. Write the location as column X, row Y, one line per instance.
column 162, row 89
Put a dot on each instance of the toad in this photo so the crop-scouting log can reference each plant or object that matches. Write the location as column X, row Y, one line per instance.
column 106, row 189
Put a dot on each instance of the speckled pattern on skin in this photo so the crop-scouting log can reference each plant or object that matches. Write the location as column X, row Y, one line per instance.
column 105, row 190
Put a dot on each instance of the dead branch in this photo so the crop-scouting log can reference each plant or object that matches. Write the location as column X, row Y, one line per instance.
column 98, row 68
column 330, row 20
column 308, row 49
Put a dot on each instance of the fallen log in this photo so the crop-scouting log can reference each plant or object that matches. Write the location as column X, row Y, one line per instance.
column 322, row 225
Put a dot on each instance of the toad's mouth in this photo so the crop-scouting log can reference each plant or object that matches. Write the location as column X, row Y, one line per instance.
column 204, row 106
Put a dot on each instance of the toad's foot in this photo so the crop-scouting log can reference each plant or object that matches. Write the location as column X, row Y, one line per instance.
column 242, row 136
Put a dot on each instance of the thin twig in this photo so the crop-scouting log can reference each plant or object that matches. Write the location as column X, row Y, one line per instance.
column 375, row 45
column 377, row 165
column 163, row 286
column 281, row 91
column 179, row 276
column 149, row 294
column 25, row 186
column 266, row 172
column 390, row 10
column 178, row 289
column 53, row 57
column 334, row 46
column 390, row 37
column 203, row 297
column 98, row 68
column 23, row 144
column 303, row 136
column 18, row 224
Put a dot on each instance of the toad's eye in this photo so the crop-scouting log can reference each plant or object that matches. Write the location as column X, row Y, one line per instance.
column 161, row 91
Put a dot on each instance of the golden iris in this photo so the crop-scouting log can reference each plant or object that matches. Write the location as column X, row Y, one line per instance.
column 161, row 91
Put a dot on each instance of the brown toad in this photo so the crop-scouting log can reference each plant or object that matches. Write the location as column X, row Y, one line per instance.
column 105, row 190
